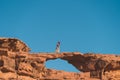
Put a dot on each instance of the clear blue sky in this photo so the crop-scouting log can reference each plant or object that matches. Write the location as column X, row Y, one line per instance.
column 80, row 25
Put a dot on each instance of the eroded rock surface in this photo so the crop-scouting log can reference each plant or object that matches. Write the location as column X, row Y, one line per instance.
column 17, row 63
column 13, row 45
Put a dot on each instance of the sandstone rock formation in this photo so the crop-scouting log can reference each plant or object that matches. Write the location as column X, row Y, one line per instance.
column 13, row 45
column 17, row 63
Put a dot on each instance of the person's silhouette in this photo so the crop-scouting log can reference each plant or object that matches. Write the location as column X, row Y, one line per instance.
column 58, row 47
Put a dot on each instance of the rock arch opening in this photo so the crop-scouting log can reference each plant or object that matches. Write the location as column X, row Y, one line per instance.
column 59, row 64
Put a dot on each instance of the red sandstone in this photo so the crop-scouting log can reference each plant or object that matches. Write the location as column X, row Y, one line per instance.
column 17, row 63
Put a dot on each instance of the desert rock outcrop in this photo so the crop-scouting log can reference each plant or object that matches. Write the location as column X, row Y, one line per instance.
column 18, row 63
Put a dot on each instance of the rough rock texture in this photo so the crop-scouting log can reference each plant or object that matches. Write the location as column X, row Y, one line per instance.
column 17, row 63
column 13, row 45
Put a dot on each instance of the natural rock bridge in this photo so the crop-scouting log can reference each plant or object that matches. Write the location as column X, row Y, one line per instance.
column 17, row 63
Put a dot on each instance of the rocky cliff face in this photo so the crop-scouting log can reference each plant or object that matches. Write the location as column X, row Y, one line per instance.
column 17, row 63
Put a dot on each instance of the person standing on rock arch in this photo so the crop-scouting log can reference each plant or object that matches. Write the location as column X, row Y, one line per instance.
column 57, row 47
